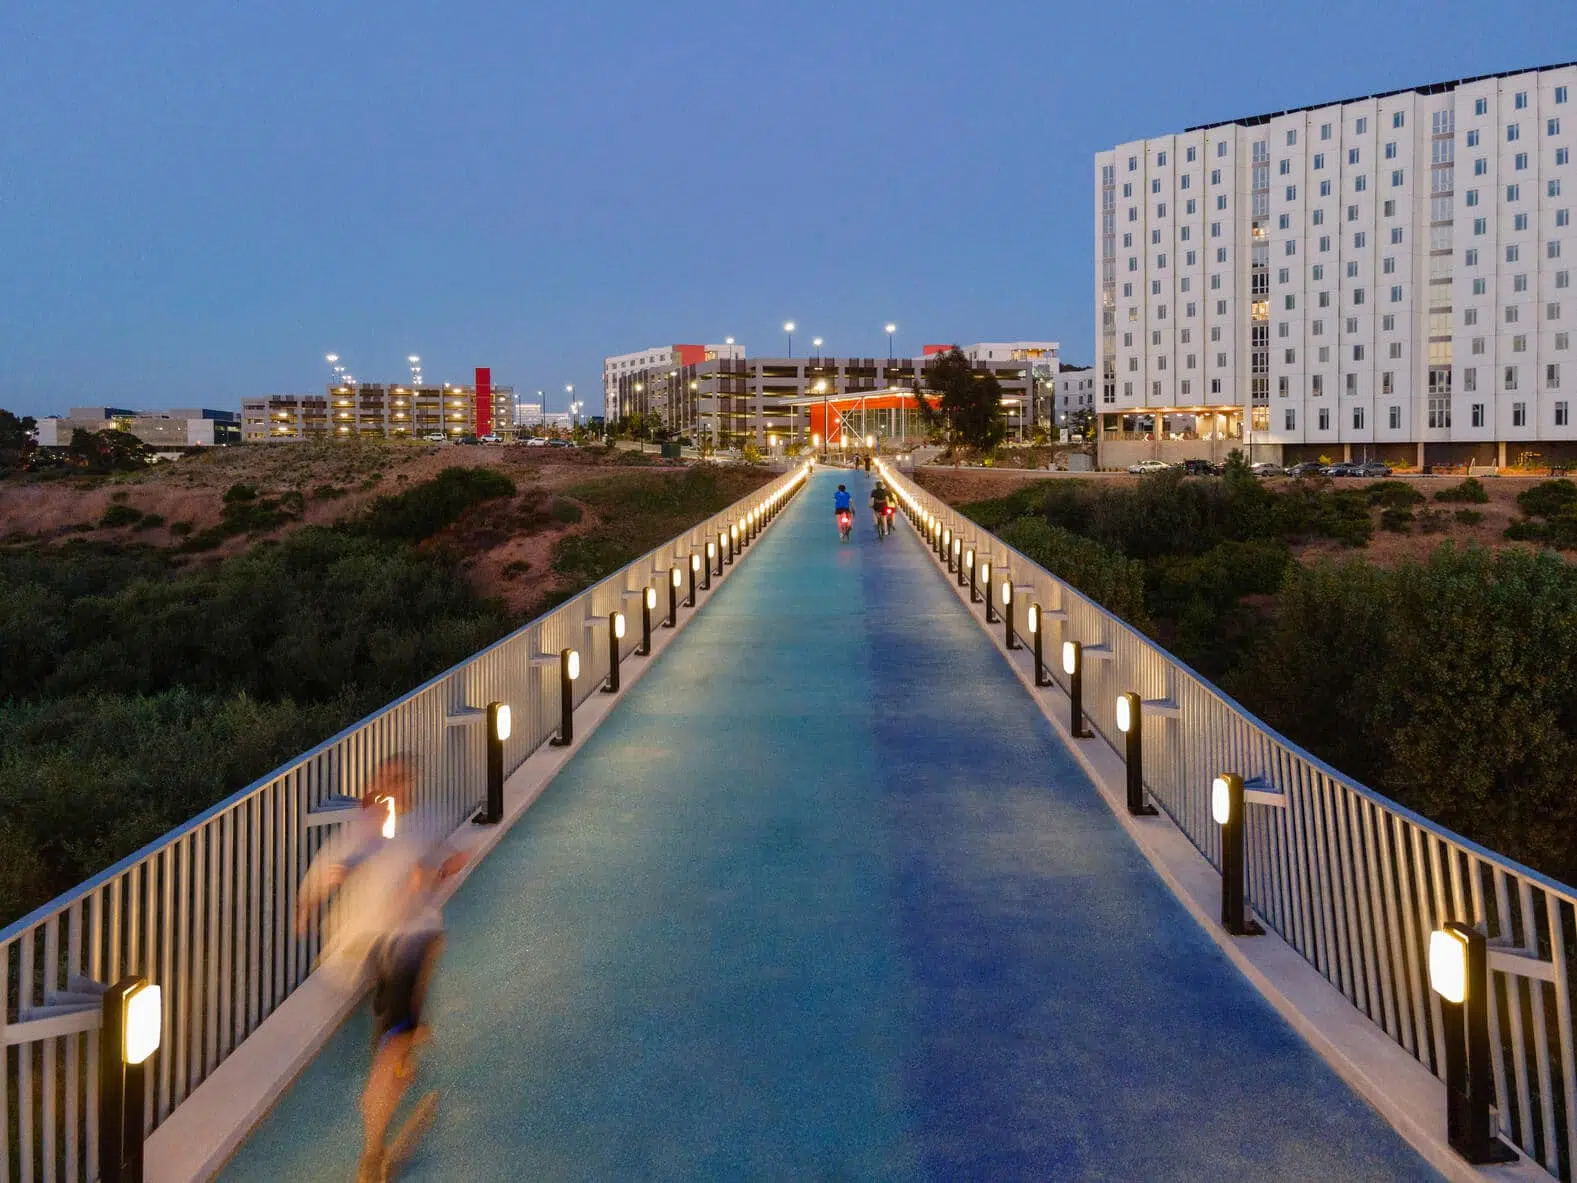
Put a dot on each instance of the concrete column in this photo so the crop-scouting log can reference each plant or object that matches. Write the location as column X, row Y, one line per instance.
column 1500, row 454
column 1346, row 453
column 1420, row 454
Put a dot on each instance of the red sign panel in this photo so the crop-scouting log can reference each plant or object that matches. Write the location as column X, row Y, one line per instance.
column 484, row 401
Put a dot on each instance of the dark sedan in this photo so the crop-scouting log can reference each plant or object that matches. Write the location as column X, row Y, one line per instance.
column 1370, row 468
column 1306, row 469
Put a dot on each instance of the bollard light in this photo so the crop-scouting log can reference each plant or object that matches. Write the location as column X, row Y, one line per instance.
column 1007, row 615
column 131, row 1030
column 706, row 575
column 648, row 602
column 969, row 561
column 1459, row 974
column 1073, row 666
column 569, row 670
column 985, row 581
column 1226, row 807
column 695, row 572
column 733, row 541
column 947, row 549
column 1037, row 632
column 499, row 721
column 675, row 578
column 1130, row 721
column 615, row 635
column 722, row 549
column 956, row 562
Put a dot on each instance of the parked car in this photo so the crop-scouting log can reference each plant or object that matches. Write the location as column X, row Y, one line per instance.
column 434, row 437
column 1148, row 466
column 1370, row 468
column 1200, row 468
column 492, row 439
column 536, row 441
column 558, row 443
column 1307, row 468
column 1341, row 468
column 1265, row 468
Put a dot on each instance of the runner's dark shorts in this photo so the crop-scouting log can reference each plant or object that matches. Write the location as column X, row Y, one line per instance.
column 397, row 992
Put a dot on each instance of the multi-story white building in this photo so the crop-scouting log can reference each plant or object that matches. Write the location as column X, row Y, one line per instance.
column 622, row 373
column 1388, row 275
column 1075, row 393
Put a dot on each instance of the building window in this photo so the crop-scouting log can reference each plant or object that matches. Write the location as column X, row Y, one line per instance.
column 1470, row 380
column 1397, row 118
column 1519, row 414
column 1481, row 167
column 1478, row 414
column 1520, row 161
column 1396, row 293
column 1360, row 183
column 1291, row 418
column 1552, row 376
column 1472, row 197
column 1560, row 94
column 1560, row 414
column 1325, row 188
column 1319, row 161
column 1440, row 412
column 1188, row 155
column 1352, row 383
column 1390, row 149
column 1513, row 192
column 1325, row 418
column 1357, row 352
column 1387, row 378
column 1357, row 295
column 1396, row 418
column 1513, row 133
column 1317, row 385
column 1352, row 155
column 1520, row 101
column 1552, row 312
column 1155, row 185
column 1396, row 177
column 1519, row 222
column 1357, row 418
column 1510, row 382
column 1562, row 155
column 1479, row 226
column 1512, row 253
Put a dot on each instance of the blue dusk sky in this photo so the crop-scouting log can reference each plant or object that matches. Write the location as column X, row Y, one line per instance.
column 197, row 201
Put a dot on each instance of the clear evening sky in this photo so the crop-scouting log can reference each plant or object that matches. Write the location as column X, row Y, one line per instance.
column 197, row 201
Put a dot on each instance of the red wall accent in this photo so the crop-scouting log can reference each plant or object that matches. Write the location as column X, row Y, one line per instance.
column 484, row 401
column 933, row 349
column 690, row 355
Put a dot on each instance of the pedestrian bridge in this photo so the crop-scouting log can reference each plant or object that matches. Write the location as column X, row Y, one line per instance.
column 828, row 889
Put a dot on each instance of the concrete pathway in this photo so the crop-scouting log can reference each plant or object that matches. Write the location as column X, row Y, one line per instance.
column 826, row 899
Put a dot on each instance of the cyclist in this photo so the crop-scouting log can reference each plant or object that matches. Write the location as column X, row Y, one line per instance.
column 879, row 501
column 842, row 504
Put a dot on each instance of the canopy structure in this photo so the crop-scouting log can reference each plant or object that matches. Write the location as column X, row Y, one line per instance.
column 850, row 420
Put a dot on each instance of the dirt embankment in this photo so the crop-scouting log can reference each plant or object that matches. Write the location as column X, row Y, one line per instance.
column 506, row 545
column 961, row 486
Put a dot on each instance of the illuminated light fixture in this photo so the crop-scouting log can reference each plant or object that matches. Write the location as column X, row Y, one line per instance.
column 695, row 571
column 1226, row 809
column 1037, row 631
column 1130, row 721
column 391, row 821
column 499, row 725
column 1073, row 666
column 615, row 635
column 675, row 577
column 1007, row 615
column 985, row 579
column 733, row 542
column 648, row 602
column 130, row 1032
column 969, row 563
column 714, row 556
column 1459, row 975
column 956, row 562
column 947, row 548
column 569, row 670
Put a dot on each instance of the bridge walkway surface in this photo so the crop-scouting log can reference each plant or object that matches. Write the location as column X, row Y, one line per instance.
column 826, row 898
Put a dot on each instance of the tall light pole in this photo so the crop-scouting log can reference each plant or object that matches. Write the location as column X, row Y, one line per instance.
column 569, row 391
column 415, row 363
column 788, row 327
column 891, row 329
column 826, row 424
column 817, row 345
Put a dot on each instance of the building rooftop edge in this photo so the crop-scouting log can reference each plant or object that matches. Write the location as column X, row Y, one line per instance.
column 1426, row 88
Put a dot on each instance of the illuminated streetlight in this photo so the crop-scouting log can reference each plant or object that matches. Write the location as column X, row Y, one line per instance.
column 891, row 329
column 788, row 327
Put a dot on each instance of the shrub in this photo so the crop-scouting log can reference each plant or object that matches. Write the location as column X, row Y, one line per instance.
column 1433, row 521
column 1470, row 490
column 422, row 510
column 1468, row 517
column 180, row 529
column 1393, row 494
column 1547, row 498
column 120, row 515
column 1525, row 530
column 1108, row 578
column 564, row 511
column 238, row 493
column 1398, row 521
column 328, row 492
column 151, row 521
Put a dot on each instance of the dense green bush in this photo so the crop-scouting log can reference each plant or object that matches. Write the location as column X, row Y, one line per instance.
column 120, row 515
column 1393, row 494
column 423, row 510
column 1470, row 490
column 1547, row 498
column 1468, row 517
column 564, row 511
column 1397, row 521
column 1115, row 582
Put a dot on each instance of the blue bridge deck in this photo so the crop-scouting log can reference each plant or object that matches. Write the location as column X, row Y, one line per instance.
column 827, row 898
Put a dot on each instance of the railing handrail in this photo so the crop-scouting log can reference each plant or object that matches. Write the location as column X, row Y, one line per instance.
column 87, row 886
column 1554, row 886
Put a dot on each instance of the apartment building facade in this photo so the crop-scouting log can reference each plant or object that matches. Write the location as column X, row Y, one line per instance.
column 1075, row 393
column 728, row 401
column 180, row 427
column 1386, row 276
column 627, row 376
column 375, row 410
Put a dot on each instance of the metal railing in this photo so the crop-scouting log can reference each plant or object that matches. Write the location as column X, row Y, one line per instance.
column 207, row 911
column 1350, row 879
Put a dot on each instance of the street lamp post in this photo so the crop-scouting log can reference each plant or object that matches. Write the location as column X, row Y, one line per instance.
column 788, row 328
column 891, row 329
column 826, row 427
column 816, row 345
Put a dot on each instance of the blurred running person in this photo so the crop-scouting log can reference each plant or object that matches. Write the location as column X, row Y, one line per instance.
column 880, row 499
column 382, row 871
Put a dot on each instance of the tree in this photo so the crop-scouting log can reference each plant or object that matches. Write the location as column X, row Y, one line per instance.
column 969, row 403
column 16, row 439
column 107, row 451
